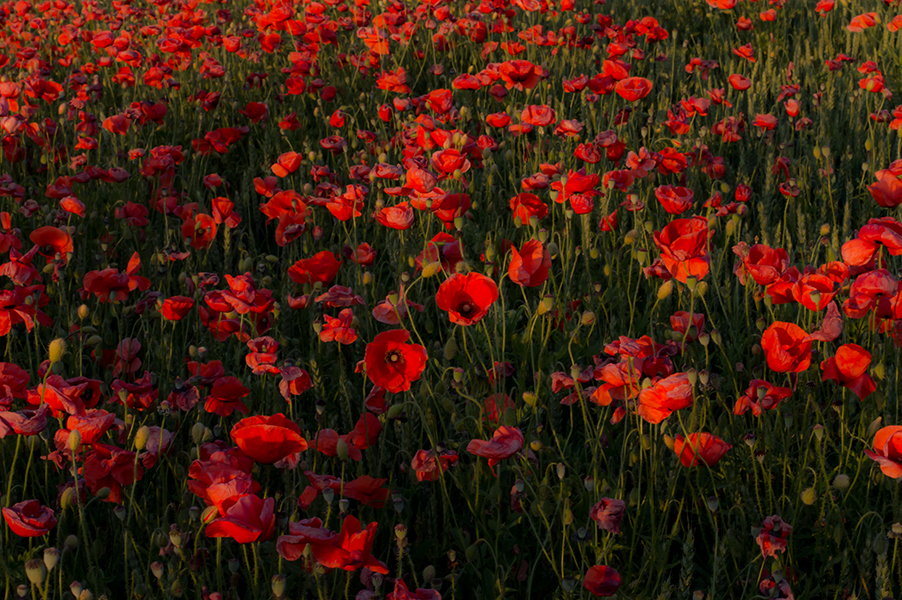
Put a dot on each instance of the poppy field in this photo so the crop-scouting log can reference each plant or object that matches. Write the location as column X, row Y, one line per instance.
column 450, row 300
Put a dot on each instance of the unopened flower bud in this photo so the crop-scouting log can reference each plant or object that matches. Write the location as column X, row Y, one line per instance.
column 842, row 482
column 74, row 440
column 57, row 350
column 277, row 584
column 809, row 496
column 141, row 437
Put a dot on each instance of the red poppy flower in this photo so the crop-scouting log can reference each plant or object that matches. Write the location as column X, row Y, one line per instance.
column 466, row 298
column 608, row 513
column 849, row 368
column 773, row 536
column 700, row 447
column 814, row 287
column 29, row 518
column 526, row 206
column 392, row 363
column 657, row 402
column 688, row 331
column 683, row 245
column 529, row 266
column 887, row 451
column 601, row 581
column 786, row 347
column 268, row 439
column 248, row 519
column 887, row 192
column 351, row 550
column 760, row 396
column 321, row 267
column 295, row 381
column 340, row 329
column 538, row 115
column 396, row 217
column 765, row 264
column 110, row 467
column 429, row 464
column 91, row 426
column 505, row 442
column 52, row 241
column 675, row 200
column 520, row 74
column 176, row 308
column 739, row 82
column 225, row 397
column 633, row 88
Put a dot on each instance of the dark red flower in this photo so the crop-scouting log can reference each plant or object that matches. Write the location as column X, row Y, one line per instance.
column 608, row 513
column 505, row 442
column 321, row 267
column 429, row 464
column 247, row 519
column 29, row 518
column 176, row 308
column 601, row 581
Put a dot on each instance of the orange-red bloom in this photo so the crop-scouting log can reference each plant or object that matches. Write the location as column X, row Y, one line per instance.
column 700, row 447
column 633, row 88
column 849, row 368
column 684, row 248
column 529, row 266
column 888, row 451
column 786, row 347
column 268, row 439
column 657, row 402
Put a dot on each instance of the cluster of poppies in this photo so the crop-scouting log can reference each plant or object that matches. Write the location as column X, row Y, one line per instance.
column 280, row 252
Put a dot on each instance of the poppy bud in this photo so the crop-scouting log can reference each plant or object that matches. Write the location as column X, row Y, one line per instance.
column 341, row 450
column 175, row 537
column 367, row 278
column 665, row 290
column 450, row 350
column 141, row 438
column 197, row 433
column 395, row 411
column 74, row 440
column 841, row 482
column 809, row 496
column 210, row 513
column 103, row 493
column 431, row 269
column 278, row 585
column 57, row 350
column 536, row 446
column 631, row 237
column 875, row 425
column 713, row 503
column 530, row 398
column 561, row 470
column 819, row 432
column 668, row 441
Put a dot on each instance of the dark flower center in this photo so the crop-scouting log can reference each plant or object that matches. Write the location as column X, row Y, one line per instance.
column 393, row 356
column 465, row 308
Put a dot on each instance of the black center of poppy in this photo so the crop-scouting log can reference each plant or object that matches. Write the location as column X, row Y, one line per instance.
column 466, row 308
column 394, row 356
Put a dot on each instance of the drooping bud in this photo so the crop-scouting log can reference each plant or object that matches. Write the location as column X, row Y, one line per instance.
column 57, row 350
